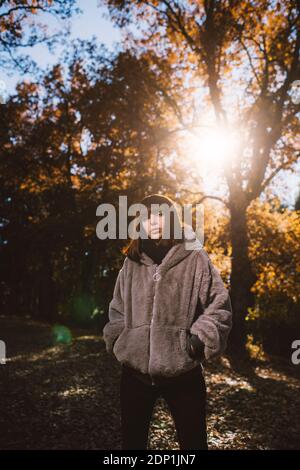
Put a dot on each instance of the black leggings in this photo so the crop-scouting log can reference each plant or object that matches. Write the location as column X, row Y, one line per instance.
column 186, row 401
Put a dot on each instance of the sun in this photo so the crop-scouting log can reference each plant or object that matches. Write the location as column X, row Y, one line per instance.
column 212, row 147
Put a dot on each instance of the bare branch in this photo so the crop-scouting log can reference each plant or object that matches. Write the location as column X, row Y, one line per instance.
column 205, row 196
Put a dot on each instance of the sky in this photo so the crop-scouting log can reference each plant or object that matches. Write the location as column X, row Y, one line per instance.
column 84, row 25
column 94, row 21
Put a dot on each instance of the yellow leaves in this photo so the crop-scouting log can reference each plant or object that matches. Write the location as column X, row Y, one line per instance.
column 31, row 186
column 253, row 314
column 76, row 146
column 88, row 230
column 57, row 113
column 76, row 184
column 274, row 235
column 42, row 181
column 268, row 276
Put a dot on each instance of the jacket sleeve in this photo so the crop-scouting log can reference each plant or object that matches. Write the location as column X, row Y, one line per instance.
column 215, row 322
column 116, row 323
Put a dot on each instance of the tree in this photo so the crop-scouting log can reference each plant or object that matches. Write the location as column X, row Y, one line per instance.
column 297, row 202
column 253, row 48
column 274, row 250
column 24, row 24
column 84, row 132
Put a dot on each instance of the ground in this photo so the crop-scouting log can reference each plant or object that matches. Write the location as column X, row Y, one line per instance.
column 66, row 396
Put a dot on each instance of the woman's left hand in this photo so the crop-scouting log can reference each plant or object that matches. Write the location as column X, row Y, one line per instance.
column 195, row 346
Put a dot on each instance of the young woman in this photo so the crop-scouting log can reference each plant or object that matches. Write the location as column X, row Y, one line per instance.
column 170, row 312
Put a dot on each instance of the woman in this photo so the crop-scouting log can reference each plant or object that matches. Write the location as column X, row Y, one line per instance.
column 170, row 312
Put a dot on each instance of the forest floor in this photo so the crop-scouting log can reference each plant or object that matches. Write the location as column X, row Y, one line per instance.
column 66, row 396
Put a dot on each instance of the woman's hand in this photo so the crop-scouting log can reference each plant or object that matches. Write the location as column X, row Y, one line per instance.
column 195, row 346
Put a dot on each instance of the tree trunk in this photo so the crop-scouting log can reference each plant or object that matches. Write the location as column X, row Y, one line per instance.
column 241, row 280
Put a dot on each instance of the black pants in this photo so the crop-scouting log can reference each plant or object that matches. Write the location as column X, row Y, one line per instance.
column 186, row 400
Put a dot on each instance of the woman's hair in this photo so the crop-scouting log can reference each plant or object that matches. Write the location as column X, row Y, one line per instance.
column 134, row 249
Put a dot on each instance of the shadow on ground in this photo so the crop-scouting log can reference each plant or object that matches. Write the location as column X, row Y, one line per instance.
column 66, row 396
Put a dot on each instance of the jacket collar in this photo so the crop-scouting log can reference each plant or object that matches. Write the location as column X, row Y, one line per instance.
column 178, row 252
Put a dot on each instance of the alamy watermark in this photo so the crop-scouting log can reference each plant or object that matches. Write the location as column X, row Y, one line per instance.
column 296, row 354
column 112, row 219
column 2, row 352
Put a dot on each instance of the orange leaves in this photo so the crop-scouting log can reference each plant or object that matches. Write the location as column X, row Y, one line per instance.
column 274, row 235
column 75, row 181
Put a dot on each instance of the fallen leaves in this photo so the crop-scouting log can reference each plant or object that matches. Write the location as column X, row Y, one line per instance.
column 67, row 397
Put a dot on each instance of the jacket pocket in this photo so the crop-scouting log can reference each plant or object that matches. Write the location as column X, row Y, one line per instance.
column 132, row 347
column 185, row 344
column 183, row 340
column 168, row 351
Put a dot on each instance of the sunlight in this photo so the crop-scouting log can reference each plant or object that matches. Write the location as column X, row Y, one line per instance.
column 212, row 147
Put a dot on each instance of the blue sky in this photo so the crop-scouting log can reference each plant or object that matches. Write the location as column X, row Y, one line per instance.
column 92, row 22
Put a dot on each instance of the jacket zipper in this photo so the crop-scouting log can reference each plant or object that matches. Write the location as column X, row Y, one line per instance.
column 154, row 277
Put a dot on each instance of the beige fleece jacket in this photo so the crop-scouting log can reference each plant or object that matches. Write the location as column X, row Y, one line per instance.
column 154, row 308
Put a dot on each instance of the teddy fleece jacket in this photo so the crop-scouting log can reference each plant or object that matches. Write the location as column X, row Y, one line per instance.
column 157, row 253
column 155, row 308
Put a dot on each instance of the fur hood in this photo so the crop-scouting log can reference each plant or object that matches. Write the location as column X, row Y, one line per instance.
column 155, row 307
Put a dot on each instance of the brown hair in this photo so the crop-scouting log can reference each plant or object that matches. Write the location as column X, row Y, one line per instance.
column 133, row 249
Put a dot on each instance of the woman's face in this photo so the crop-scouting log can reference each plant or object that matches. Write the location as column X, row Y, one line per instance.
column 154, row 225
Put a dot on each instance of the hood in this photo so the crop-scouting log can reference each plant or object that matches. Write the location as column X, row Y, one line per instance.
column 178, row 252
